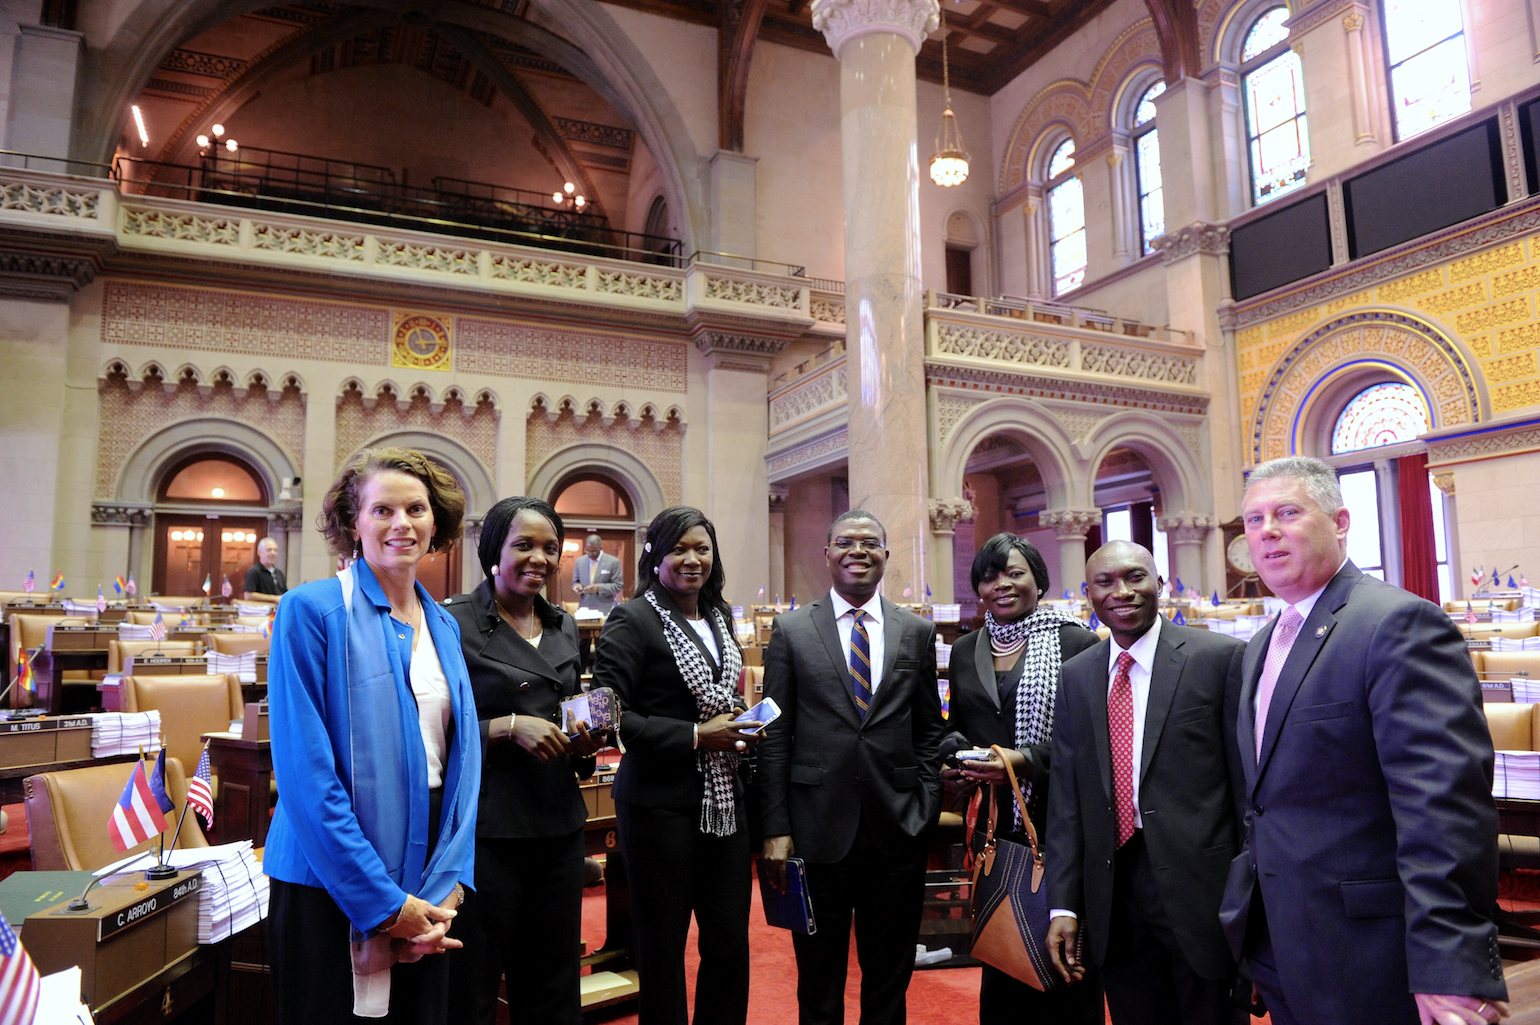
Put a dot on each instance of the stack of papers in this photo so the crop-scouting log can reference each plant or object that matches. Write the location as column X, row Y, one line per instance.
column 1529, row 596
column 124, row 733
column 946, row 613
column 243, row 666
column 158, row 607
column 588, row 615
column 234, row 892
column 1526, row 614
column 134, row 632
column 252, row 609
column 1500, row 643
column 1525, row 690
column 1517, row 775
column 86, row 608
column 943, row 655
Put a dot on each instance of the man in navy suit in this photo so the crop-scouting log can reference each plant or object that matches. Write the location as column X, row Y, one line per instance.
column 1368, row 877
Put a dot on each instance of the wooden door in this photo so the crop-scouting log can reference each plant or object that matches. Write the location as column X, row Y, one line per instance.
column 620, row 542
column 190, row 548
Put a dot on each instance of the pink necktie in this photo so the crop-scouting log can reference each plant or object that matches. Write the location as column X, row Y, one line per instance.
column 1278, row 649
column 1120, row 729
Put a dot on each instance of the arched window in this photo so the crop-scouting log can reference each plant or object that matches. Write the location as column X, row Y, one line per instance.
column 1381, row 414
column 1066, row 220
column 1274, row 85
column 1425, row 52
column 1152, row 207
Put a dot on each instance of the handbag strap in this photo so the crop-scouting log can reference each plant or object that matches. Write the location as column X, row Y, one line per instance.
column 1021, row 803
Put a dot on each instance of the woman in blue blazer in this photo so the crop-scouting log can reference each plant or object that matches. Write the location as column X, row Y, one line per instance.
column 377, row 756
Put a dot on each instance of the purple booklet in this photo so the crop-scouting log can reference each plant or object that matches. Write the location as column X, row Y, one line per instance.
column 599, row 708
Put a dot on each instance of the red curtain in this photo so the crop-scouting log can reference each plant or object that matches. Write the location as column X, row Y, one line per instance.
column 1419, row 558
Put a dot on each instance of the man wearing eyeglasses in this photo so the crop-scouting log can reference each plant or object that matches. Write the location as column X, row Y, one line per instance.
column 848, row 777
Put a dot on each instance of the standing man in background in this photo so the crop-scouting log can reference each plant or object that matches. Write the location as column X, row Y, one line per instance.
column 264, row 580
column 1137, row 860
column 597, row 577
column 849, row 776
column 1365, row 888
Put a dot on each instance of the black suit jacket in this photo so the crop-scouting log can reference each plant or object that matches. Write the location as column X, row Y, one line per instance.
column 658, row 712
column 1189, row 773
column 822, row 769
column 1370, row 825
column 521, row 796
column 982, row 716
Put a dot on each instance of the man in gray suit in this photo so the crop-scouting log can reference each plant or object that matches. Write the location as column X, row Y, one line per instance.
column 849, row 776
column 597, row 577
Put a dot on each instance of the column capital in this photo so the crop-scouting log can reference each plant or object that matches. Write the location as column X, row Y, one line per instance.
column 843, row 20
column 1070, row 524
column 120, row 514
column 1445, row 482
column 1198, row 237
column 947, row 513
column 734, row 350
column 1187, row 528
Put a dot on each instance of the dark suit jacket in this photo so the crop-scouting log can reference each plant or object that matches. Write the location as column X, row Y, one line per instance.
column 658, row 712
column 1370, row 823
column 1189, row 772
column 982, row 716
column 521, row 796
column 822, row 769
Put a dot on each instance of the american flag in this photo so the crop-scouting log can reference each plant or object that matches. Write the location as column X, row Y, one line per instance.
column 141, row 811
column 131, row 587
column 1470, row 612
column 19, row 985
column 101, row 600
column 158, row 628
column 225, row 589
column 30, row 584
column 200, row 790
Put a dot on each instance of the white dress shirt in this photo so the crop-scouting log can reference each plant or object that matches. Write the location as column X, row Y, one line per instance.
column 1143, row 652
column 845, row 620
column 702, row 628
column 434, row 705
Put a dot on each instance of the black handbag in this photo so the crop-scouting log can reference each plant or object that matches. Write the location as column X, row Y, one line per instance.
column 1010, row 900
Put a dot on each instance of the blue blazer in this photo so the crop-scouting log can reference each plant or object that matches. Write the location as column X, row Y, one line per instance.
column 369, row 854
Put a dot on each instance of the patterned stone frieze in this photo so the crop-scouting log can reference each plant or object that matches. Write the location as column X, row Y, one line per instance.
column 662, row 451
column 781, row 464
column 357, row 422
column 538, row 352
column 821, row 392
column 1006, row 346
column 1148, row 366
column 331, row 245
column 38, row 200
column 145, row 223
column 752, row 292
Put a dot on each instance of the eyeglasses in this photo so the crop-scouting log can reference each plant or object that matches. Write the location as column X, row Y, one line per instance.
column 866, row 544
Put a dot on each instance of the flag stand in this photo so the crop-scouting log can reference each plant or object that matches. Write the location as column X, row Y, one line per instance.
column 160, row 870
column 179, row 820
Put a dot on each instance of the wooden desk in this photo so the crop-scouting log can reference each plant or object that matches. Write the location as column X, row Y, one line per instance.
column 245, row 771
column 1519, row 818
column 600, row 838
column 11, row 776
column 49, row 668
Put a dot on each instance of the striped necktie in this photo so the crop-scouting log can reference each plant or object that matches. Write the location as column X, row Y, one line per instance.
column 861, row 663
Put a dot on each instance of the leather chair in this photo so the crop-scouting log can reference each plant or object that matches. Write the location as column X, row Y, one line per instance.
column 189, row 706
column 30, row 630
column 1514, row 725
column 119, row 652
column 67, row 815
column 139, row 617
column 237, row 644
column 1504, row 665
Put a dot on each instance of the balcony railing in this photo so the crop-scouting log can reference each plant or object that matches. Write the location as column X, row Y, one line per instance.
column 1041, row 311
column 276, row 181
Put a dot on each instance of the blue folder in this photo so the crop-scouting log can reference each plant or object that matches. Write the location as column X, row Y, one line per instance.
column 790, row 910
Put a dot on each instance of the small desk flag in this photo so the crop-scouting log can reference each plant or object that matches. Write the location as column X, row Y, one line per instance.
column 200, row 790
column 139, row 813
column 19, row 985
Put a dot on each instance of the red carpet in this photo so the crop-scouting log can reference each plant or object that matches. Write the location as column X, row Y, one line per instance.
column 15, row 848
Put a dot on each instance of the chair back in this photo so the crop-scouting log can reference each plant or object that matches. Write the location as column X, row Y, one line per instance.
column 1513, row 725
column 1481, row 630
column 189, row 706
column 67, row 814
column 1504, row 665
column 180, row 601
column 119, row 652
column 237, row 644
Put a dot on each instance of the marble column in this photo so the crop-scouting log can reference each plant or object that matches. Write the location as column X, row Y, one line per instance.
column 777, row 582
column 1070, row 527
column 876, row 42
column 945, row 516
column 1186, row 534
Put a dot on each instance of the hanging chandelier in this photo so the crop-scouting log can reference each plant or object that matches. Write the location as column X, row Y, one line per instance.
column 949, row 165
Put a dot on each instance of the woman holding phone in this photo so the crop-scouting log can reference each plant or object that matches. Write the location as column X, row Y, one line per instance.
column 1003, row 682
column 671, row 656
column 525, row 917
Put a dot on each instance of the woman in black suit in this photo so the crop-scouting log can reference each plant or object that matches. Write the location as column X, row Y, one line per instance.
column 525, row 916
column 1003, row 682
column 670, row 654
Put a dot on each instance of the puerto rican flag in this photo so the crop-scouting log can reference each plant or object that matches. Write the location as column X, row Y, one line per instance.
column 19, row 985
column 200, row 790
column 141, row 812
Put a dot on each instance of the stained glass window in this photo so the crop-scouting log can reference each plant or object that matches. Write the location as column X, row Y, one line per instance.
column 1274, row 84
column 1152, row 208
column 1066, row 221
column 1429, row 75
column 1382, row 414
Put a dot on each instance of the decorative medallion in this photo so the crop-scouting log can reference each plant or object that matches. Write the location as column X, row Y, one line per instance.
column 421, row 341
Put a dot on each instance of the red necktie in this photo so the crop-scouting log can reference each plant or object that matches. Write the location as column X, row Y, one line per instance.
column 1120, row 724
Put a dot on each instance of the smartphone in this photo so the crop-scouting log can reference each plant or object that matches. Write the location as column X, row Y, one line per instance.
column 975, row 754
column 764, row 713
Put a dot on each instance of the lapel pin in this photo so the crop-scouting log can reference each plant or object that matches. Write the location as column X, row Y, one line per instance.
column 1320, row 631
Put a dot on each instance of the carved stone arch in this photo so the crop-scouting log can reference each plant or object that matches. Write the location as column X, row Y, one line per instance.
column 1042, row 435
column 488, row 396
column 1137, row 45
column 474, row 477
column 1126, row 97
column 1172, row 461
column 293, row 380
column 139, row 478
column 1232, row 22
column 674, row 414
column 114, row 367
column 121, row 58
column 625, row 469
column 1066, row 103
column 1438, row 365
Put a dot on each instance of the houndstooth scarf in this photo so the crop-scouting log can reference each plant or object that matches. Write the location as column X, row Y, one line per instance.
column 713, row 696
column 1039, row 671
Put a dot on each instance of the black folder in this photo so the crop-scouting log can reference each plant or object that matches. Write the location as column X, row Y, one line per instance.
column 790, row 910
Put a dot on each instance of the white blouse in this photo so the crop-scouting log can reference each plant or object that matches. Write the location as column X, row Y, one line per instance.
column 434, row 705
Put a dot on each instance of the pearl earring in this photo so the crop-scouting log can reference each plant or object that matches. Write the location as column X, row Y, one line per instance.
column 355, row 549
column 494, row 571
